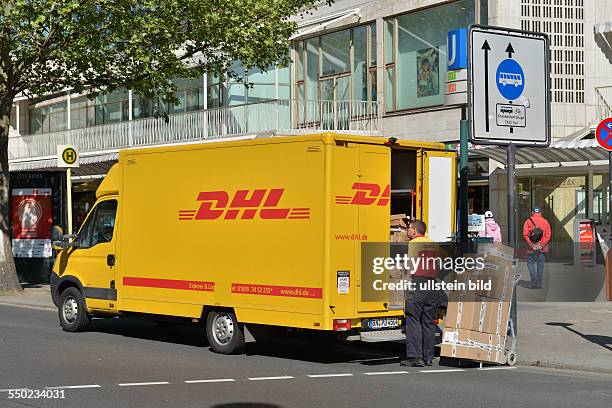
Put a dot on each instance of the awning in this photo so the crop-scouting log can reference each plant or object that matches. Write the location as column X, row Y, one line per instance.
column 559, row 153
column 89, row 165
column 603, row 38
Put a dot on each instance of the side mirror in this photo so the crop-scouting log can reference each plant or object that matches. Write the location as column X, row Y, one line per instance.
column 57, row 233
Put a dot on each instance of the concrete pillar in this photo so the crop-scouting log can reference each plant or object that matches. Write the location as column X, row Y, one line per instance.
column 589, row 204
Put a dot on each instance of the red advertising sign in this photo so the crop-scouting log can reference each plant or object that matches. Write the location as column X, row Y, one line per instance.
column 31, row 213
column 31, row 216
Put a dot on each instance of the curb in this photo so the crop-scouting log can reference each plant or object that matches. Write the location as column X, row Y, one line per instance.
column 562, row 366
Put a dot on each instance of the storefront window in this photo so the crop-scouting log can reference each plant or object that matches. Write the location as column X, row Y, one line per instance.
column 419, row 53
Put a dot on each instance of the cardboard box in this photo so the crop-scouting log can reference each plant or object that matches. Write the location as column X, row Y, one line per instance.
column 472, row 345
column 397, row 220
column 477, row 313
column 398, row 236
column 500, row 272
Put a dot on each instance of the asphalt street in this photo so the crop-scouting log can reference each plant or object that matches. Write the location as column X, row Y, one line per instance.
column 134, row 363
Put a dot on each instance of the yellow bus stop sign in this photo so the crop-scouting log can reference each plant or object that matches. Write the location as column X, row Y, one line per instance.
column 67, row 156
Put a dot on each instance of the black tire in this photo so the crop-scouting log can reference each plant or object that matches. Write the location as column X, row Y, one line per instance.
column 72, row 310
column 225, row 335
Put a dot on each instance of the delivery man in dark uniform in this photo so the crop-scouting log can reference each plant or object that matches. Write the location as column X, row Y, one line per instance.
column 422, row 305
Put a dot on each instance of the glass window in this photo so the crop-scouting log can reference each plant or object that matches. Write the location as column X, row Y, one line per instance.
column 335, row 53
column 49, row 118
column 262, row 92
column 214, row 86
column 99, row 226
column 312, row 69
column 236, row 94
column 390, row 89
column 421, row 51
column 299, row 50
column 142, row 108
column 360, row 59
column 389, row 40
column 373, row 55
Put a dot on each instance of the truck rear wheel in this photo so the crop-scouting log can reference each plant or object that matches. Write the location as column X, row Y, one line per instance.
column 73, row 311
column 225, row 335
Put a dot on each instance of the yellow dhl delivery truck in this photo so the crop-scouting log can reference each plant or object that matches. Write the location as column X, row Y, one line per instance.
column 261, row 232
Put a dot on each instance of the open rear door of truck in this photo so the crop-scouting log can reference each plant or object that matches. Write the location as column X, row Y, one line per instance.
column 373, row 199
column 437, row 182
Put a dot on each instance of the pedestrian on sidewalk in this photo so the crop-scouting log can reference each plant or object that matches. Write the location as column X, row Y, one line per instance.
column 536, row 233
column 492, row 229
column 421, row 305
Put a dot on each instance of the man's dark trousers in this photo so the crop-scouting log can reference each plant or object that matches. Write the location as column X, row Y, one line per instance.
column 421, row 311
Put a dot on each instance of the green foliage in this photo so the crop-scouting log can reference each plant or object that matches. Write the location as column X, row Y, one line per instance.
column 47, row 46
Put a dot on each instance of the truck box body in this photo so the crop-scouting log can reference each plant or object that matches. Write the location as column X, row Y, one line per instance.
column 269, row 227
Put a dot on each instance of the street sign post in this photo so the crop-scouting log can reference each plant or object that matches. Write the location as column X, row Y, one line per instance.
column 508, row 87
column 68, row 158
column 509, row 99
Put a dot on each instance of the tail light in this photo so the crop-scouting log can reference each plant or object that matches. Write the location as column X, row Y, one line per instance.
column 342, row 325
column 436, row 321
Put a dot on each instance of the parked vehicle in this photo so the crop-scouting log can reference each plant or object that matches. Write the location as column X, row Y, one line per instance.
column 250, row 234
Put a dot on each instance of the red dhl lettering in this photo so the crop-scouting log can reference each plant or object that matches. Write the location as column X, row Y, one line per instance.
column 367, row 194
column 245, row 205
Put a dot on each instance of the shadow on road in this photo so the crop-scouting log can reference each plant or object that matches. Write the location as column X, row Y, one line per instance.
column 148, row 330
column 603, row 341
column 291, row 348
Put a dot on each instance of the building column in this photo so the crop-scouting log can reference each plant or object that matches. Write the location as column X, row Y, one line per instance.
column 17, row 117
column 589, row 206
column 380, row 67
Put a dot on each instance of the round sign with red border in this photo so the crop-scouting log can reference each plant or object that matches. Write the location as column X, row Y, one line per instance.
column 603, row 134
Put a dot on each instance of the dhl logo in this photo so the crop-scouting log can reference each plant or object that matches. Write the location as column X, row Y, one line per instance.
column 251, row 203
column 366, row 194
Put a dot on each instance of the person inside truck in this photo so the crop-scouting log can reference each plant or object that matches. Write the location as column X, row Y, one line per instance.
column 421, row 305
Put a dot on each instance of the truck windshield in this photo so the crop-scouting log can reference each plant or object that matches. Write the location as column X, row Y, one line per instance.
column 99, row 226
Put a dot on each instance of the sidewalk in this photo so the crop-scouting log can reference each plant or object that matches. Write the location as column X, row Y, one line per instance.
column 568, row 335
column 35, row 296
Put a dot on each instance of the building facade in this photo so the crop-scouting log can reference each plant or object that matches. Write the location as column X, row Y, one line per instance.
column 358, row 65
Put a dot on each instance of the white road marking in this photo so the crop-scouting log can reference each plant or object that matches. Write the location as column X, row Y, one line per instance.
column 329, row 375
column 74, row 387
column 497, row 368
column 210, row 381
column 144, row 383
column 282, row 377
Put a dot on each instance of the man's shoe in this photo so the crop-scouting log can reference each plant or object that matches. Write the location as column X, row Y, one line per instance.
column 412, row 362
column 428, row 363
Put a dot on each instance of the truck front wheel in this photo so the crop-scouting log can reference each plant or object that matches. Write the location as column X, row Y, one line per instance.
column 72, row 310
column 225, row 335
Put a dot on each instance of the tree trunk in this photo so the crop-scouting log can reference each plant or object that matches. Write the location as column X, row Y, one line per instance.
column 8, row 273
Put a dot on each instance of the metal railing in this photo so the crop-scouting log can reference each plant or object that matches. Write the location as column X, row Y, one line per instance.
column 228, row 121
column 604, row 102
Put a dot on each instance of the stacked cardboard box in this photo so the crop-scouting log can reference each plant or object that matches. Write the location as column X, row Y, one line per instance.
column 476, row 321
column 398, row 228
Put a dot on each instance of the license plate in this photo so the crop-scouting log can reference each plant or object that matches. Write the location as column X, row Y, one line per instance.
column 388, row 323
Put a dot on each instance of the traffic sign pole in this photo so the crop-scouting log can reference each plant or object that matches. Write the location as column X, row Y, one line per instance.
column 511, row 187
column 69, row 199
column 463, row 183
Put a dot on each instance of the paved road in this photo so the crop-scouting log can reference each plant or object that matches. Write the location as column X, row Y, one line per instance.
column 132, row 363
